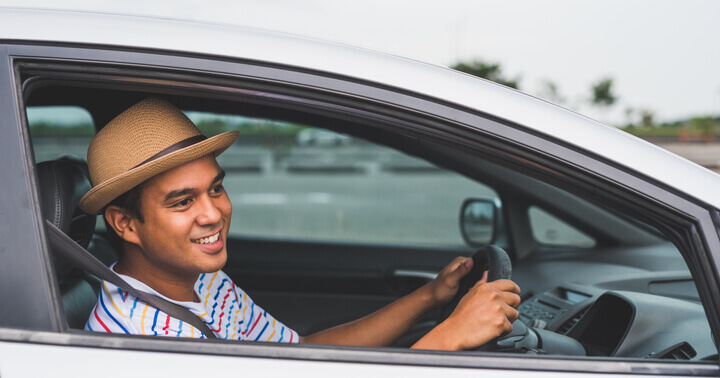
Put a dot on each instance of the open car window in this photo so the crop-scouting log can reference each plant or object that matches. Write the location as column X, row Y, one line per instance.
column 293, row 181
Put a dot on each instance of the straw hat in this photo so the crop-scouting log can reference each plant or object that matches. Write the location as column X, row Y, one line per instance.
column 149, row 138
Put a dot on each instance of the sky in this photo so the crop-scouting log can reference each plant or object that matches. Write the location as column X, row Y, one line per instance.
column 662, row 55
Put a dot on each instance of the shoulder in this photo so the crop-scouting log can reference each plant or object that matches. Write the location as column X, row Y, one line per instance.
column 111, row 311
column 211, row 282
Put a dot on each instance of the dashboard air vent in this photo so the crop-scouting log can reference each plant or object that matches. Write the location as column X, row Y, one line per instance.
column 567, row 326
column 682, row 351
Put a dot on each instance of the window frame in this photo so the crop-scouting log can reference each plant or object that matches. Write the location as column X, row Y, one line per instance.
column 580, row 172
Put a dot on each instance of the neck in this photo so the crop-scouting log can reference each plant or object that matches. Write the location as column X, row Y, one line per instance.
column 174, row 285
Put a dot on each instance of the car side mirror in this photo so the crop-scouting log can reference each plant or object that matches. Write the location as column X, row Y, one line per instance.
column 479, row 221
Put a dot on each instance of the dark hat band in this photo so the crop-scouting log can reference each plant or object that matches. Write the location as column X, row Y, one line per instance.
column 174, row 147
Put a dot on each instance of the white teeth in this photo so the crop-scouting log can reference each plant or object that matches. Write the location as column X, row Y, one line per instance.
column 207, row 240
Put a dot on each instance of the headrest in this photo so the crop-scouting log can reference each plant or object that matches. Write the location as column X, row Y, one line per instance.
column 62, row 183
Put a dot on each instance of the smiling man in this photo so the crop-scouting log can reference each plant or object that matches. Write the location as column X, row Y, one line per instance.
column 157, row 183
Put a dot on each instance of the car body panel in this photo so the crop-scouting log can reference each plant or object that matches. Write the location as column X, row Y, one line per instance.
column 18, row 351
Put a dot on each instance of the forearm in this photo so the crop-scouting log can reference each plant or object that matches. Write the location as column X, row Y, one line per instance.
column 382, row 327
column 437, row 339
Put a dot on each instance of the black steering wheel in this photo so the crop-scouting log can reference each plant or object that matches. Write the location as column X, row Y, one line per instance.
column 522, row 339
column 497, row 262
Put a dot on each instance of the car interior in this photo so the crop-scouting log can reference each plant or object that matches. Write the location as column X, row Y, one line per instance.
column 597, row 275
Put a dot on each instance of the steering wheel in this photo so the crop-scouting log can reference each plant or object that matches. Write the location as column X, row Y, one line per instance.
column 522, row 339
column 497, row 262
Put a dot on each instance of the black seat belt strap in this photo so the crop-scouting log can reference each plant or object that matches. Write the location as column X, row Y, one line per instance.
column 70, row 250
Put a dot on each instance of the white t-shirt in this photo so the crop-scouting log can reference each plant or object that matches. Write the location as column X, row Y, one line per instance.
column 227, row 310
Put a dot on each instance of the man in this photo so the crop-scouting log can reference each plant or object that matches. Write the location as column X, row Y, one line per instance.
column 156, row 181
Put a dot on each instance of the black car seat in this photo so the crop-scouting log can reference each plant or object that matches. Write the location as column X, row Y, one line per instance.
column 62, row 183
column 100, row 246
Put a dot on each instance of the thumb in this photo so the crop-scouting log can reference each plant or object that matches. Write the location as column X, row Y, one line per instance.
column 482, row 279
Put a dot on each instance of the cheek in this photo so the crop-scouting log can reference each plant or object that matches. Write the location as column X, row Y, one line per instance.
column 172, row 227
column 225, row 206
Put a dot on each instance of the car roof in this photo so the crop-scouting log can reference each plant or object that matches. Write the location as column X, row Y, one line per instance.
column 451, row 86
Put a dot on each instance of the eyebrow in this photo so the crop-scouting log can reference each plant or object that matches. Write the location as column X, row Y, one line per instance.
column 181, row 192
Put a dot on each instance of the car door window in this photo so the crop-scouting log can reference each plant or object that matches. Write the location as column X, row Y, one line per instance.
column 59, row 130
column 291, row 180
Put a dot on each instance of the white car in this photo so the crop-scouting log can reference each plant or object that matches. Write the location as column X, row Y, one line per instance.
column 320, row 137
column 614, row 241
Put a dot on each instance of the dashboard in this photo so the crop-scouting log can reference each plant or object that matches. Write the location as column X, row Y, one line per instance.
column 622, row 323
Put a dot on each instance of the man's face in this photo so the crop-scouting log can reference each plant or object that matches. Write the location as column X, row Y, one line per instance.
column 187, row 217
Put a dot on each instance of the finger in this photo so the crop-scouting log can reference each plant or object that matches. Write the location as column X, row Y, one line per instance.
column 455, row 263
column 508, row 327
column 511, row 299
column 459, row 267
column 506, row 285
column 510, row 313
column 505, row 328
column 481, row 281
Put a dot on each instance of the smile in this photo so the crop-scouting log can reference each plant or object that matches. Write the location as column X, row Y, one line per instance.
column 207, row 240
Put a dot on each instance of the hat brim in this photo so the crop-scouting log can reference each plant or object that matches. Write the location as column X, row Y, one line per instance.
column 99, row 196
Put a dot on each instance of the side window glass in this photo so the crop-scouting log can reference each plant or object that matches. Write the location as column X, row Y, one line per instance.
column 549, row 230
column 59, row 130
column 296, row 181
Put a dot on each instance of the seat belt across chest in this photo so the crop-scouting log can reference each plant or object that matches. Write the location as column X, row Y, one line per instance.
column 64, row 246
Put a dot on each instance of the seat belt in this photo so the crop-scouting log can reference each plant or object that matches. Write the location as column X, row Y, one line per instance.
column 70, row 250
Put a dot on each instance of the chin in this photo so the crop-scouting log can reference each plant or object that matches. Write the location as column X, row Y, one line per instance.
column 217, row 263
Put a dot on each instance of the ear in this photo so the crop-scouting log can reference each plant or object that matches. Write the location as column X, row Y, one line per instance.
column 123, row 223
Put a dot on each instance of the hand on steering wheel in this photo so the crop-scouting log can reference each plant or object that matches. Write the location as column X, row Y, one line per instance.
column 482, row 311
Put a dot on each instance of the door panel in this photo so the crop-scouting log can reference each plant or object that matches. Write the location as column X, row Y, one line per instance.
column 311, row 286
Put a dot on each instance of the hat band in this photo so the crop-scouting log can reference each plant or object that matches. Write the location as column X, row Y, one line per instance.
column 174, row 147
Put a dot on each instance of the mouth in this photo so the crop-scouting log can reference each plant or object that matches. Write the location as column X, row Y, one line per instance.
column 207, row 240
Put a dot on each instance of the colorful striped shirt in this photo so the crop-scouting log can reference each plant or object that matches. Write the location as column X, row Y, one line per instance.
column 227, row 310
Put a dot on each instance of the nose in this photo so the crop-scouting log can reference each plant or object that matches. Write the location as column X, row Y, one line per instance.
column 208, row 211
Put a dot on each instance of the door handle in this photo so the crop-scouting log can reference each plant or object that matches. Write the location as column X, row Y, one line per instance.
column 403, row 281
column 413, row 273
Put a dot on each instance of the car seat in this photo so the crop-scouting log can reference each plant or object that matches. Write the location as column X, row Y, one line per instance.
column 62, row 183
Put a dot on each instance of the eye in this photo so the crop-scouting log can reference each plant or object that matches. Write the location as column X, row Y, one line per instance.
column 217, row 189
column 184, row 203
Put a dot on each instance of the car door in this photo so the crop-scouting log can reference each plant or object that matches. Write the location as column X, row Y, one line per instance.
column 411, row 123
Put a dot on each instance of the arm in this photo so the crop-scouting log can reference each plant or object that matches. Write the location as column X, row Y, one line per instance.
column 386, row 325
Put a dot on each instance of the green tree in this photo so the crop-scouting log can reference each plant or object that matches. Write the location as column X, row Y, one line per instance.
column 602, row 94
column 489, row 71
column 647, row 118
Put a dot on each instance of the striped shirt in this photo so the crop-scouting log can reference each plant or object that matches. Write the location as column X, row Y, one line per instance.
column 227, row 310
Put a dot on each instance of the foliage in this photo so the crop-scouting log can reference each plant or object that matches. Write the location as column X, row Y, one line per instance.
column 602, row 93
column 698, row 127
column 44, row 129
column 705, row 124
column 489, row 71
column 647, row 118
column 661, row 131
